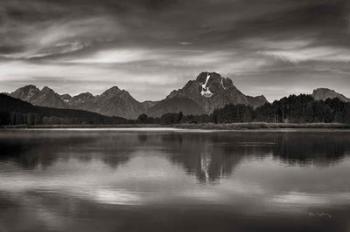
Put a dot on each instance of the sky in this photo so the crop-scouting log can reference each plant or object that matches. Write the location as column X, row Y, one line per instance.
column 151, row 47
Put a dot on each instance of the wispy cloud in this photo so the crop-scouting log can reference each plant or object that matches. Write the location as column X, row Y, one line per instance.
column 61, row 37
column 330, row 54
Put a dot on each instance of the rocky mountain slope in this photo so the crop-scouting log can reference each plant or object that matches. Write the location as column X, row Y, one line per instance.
column 208, row 92
column 44, row 97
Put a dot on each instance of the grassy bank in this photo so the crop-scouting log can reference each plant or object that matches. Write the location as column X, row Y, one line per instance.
column 206, row 126
column 262, row 125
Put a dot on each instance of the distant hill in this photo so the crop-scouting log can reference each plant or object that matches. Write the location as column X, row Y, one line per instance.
column 322, row 94
column 14, row 111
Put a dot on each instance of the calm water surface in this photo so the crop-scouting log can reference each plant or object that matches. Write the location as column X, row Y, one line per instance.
column 174, row 180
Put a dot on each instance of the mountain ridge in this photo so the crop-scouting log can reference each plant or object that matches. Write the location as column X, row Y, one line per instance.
column 202, row 95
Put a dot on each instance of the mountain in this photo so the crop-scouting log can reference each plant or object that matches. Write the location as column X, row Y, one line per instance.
column 113, row 102
column 82, row 100
column 17, row 112
column 256, row 101
column 118, row 102
column 208, row 92
column 49, row 98
column 323, row 94
column 66, row 97
column 26, row 93
column 45, row 97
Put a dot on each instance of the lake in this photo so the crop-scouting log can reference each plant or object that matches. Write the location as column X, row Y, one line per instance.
column 174, row 180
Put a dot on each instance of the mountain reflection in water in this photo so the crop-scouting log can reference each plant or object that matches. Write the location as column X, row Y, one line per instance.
column 174, row 180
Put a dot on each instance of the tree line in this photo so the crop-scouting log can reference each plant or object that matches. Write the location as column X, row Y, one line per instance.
column 292, row 109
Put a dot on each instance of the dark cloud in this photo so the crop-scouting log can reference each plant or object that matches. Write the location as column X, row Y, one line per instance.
column 203, row 21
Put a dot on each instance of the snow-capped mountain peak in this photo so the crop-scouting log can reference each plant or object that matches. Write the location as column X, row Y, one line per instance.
column 205, row 92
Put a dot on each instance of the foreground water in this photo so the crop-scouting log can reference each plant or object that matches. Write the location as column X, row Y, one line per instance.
column 174, row 180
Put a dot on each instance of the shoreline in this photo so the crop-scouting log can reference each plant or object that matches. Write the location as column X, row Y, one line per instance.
column 263, row 126
column 203, row 126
